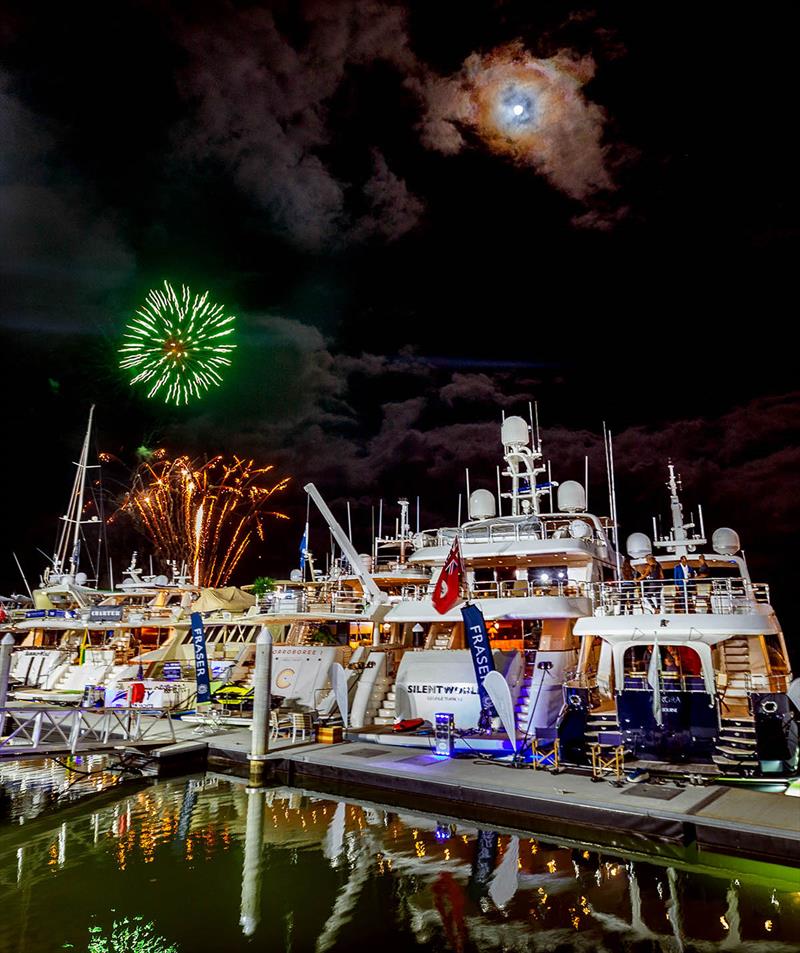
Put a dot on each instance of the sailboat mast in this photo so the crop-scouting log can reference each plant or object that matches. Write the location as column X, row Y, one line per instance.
column 82, row 465
column 74, row 509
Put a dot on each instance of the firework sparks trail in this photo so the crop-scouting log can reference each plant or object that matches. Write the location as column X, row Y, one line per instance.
column 177, row 345
column 205, row 515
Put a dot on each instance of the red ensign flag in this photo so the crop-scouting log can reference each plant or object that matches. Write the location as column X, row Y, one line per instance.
column 448, row 587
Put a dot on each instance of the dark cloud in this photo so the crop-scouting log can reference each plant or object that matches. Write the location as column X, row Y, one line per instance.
column 57, row 244
column 263, row 109
column 365, row 425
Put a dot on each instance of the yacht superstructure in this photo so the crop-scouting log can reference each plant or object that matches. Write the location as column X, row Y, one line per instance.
column 527, row 568
column 684, row 662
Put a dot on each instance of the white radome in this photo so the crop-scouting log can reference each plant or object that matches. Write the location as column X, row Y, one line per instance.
column 725, row 541
column 638, row 545
column 571, row 497
column 580, row 529
column 481, row 505
column 515, row 430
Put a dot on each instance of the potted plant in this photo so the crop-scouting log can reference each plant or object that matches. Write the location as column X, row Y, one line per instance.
column 262, row 585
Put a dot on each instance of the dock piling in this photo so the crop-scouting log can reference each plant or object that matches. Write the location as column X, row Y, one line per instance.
column 6, row 648
column 262, row 679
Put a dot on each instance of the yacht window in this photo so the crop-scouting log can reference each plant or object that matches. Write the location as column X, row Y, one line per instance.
column 778, row 663
column 547, row 575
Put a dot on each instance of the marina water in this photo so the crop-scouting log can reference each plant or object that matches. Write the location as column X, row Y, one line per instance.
column 202, row 863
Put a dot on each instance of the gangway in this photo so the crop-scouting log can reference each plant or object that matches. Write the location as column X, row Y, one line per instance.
column 36, row 730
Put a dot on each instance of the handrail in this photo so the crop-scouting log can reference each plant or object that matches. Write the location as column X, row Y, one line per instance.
column 704, row 596
column 534, row 528
column 69, row 727
column 505, row 589
column 298, row 602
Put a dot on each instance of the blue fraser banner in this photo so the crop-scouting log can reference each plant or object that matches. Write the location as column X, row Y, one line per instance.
column 200, row 659
column 478, row 640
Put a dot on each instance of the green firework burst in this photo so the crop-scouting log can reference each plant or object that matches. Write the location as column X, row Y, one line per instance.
column 178, row 345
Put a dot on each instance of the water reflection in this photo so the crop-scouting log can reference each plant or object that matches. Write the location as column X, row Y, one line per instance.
column 32, row 787
column 217, row 865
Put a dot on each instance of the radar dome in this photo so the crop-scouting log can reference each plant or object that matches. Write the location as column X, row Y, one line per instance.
column 639, row 545
column 725, row 541
column 80, row 578
column 515, row 430
column 296, row 575
column 161, row 581
column 481, row 505
column 571, row 498
column 580, row 529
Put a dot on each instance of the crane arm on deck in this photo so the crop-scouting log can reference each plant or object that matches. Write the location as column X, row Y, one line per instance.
column 371, row 589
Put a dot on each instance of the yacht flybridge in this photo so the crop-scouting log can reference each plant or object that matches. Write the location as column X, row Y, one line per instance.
column 685, row 662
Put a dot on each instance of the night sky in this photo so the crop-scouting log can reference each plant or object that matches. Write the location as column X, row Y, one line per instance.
column 402, row 267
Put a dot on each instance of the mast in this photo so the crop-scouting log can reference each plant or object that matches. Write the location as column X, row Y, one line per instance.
column 676, row 508
column 679, row 541
column 523, row 465
column 74, row 510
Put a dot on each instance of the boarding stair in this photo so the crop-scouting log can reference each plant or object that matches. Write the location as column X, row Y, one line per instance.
column 300, row 633
column 387, row 709
column 524, row 702
column 602, row 727
column 440, row 637
column 736, row 668
column 736, row 746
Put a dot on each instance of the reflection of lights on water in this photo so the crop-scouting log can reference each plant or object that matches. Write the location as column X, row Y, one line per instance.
column 768, row 926
column 722, row 920
column 443, row 832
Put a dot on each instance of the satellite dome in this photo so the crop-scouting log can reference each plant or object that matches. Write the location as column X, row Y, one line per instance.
column 296, row 575
column 725, row 541
column 80, row 578
column 639, row 545
column 580, row 529
column 515, row 430
column 481, row 504
column 161, row 581
column 571, row 497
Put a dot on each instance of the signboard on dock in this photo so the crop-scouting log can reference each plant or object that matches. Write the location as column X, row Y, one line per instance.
column 478, row 641
column 172, row 671
column 200, row 660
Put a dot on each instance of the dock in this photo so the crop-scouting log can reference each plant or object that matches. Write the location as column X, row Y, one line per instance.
column 712, row 818
column 643, row 816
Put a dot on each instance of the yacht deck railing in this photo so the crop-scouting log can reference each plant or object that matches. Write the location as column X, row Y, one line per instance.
column 659, row 596
column 336, row 601
column 505, row 589
column 535, row 529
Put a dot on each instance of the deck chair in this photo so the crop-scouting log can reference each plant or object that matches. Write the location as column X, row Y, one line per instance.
column 278, row 722
column 301, row 724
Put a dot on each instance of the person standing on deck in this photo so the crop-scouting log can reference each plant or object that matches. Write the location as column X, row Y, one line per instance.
column 682, row 573
column 653, row 576
column 628, row 575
